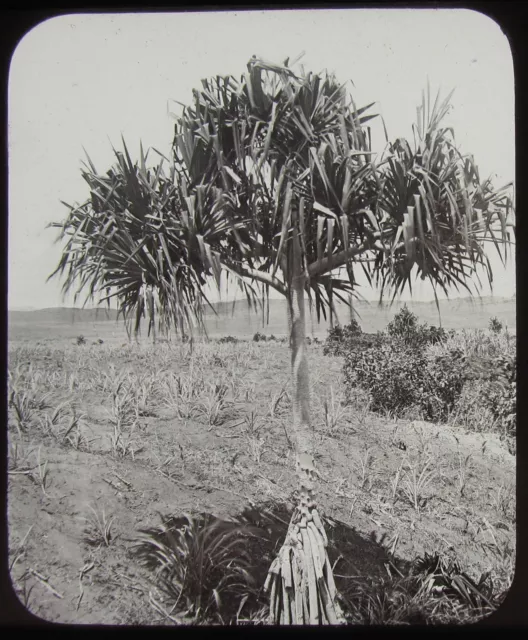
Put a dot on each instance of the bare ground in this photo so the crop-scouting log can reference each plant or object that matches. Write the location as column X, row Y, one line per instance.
column 168, row 464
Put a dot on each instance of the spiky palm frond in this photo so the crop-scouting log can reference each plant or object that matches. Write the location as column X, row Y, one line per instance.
column 291, row 154
column 140, row 239
column 435, row 210
column 287, row 154
column 261, row 159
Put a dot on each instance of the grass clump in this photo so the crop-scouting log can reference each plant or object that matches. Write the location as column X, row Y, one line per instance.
column 98, row 530
column 202, row 565
column 209, row 571
column 433, row 591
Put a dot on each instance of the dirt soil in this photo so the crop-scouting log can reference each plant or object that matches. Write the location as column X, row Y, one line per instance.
column 461, row 505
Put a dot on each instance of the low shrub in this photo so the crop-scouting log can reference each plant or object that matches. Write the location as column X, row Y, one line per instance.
column 227, row 339
column 259, row 337
column 444, row 378
column 341, row 338
column 498, row 391
column 405, row 327
column 399, row 377
column 495, row 325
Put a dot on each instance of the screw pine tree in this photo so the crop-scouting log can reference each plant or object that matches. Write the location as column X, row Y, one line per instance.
column 273, row 182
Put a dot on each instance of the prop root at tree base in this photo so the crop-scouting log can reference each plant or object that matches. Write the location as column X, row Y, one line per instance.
column 300, row 581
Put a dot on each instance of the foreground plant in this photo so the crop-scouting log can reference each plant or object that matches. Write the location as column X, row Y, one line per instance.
column 273, row 182
column 434, row 590
column 201, row 564
column 98, row 530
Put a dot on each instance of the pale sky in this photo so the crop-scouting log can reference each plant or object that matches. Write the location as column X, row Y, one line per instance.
column 84, row 80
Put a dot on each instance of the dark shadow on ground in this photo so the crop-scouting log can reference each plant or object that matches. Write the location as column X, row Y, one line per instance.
column 356, row 559
column 351, row 554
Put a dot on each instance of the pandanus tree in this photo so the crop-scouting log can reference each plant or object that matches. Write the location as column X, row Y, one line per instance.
column 129, row 241
column 273, row 181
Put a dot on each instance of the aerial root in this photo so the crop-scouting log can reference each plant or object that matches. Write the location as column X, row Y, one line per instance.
column 300, row 580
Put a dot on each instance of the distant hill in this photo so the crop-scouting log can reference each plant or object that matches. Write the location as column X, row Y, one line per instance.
column 236, row 319
column 454, row 314
column 62, row 315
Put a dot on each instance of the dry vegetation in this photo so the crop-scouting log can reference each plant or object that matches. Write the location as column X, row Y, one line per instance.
column 110, row 446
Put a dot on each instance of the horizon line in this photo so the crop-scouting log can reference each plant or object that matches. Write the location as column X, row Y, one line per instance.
column 237, row 300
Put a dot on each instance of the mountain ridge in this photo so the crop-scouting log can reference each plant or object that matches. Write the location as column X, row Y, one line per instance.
column 225, row 304
column 237, row 319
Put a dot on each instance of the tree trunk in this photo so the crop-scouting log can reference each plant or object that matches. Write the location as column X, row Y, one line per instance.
column 300, row 374
column 300, row 578
column 152, row 313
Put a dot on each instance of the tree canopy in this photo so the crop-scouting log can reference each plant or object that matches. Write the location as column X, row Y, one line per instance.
column 256, row 160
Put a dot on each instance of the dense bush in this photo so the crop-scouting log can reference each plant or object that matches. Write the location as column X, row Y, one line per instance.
column 395, row 368
column 399, row 377
column 475, row 385
column 405, row 323
column 388, row 371
column 341, row 338
column 498, row 391
column 259, row 337
column 444, row 378
column 405, row 327
column 495, row 325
